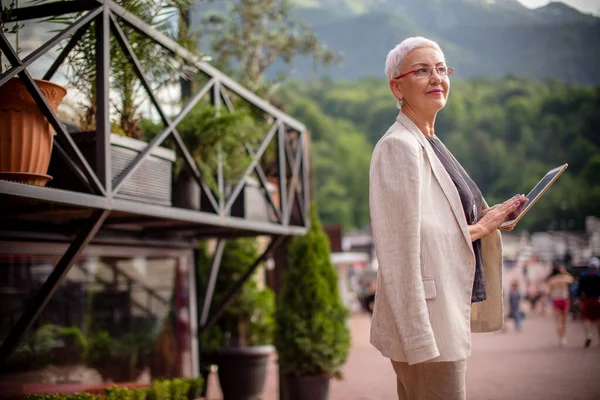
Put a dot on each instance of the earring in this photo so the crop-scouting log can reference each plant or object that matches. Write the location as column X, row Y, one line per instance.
column 399, row 105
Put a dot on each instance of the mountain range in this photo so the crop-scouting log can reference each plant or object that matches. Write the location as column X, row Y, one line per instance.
column 491, row 38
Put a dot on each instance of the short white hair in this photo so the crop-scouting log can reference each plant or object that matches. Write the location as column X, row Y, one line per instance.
column 397, row 54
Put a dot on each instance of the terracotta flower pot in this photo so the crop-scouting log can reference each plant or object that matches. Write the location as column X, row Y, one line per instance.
column 26, row 136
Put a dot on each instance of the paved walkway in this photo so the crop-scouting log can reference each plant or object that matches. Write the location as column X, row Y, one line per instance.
column 504, row 365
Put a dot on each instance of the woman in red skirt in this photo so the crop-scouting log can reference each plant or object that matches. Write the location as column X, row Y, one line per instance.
column 558, row 287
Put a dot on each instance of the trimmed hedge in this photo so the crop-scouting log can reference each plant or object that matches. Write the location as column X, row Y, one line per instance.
column 176, row 389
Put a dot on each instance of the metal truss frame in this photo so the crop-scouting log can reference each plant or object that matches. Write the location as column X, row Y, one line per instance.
column 106, row 16
column 289, row 136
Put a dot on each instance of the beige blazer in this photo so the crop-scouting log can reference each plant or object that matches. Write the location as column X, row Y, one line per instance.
column 426, row 262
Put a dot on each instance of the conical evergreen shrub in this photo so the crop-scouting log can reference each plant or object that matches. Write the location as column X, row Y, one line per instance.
column 311, row 335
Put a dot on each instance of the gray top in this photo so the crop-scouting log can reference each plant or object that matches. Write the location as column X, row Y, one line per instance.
column 471, row 200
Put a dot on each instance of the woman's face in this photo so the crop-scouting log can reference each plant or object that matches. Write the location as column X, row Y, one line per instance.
column 424, row 94
column 562, row 269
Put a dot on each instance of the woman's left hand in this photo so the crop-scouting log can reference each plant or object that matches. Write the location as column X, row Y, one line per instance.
column 487, row 210
column 495, row 217
column 512, row 215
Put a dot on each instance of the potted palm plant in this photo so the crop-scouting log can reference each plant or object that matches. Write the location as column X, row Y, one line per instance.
column 240, row 342
column 311, row 335
column 26, row 136
column 152, row 181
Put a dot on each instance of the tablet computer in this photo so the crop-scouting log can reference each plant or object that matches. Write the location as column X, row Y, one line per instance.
column 536, row 193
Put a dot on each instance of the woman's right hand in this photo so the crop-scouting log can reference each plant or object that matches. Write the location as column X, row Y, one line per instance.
column 500, row 213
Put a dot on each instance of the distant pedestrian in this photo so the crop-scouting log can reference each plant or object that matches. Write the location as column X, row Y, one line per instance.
column 544, row 297
column 589, row 293
column 514, row 304
column 558, row 286
column 533, row 295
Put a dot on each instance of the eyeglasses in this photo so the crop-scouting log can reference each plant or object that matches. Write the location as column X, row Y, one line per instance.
column 425, row 72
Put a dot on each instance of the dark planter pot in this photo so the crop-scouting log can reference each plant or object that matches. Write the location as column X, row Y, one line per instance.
column 242, row 371
column 315, row 387
column 238, row 208
column 150, row 183
column 251, row 203
column 186, row 192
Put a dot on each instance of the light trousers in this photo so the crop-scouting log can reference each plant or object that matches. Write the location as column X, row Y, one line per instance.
column 431, row 381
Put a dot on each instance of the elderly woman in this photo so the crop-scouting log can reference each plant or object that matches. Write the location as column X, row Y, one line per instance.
column 437, row 243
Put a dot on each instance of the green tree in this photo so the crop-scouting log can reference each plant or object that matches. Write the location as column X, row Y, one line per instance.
column 506, row 132
column 311, row 335
column 252, row 34
column 340, row 156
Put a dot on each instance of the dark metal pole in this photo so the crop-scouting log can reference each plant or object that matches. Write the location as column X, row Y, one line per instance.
column 216, row 102
column 275, row 242
column 51, row 9
column 296, row 183
column 43, row 295
column 186, row 84
column 305, row 142
column 281, row 164
column 212, row 280
column 203, row 368
column 103, row 161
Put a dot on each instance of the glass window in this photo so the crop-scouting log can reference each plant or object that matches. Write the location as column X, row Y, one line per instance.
column 112, row 319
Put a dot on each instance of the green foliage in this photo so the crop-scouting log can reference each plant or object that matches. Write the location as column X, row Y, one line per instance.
column 56, row 345
column 160, row 390
column 506, row 133
column 102, row 346
column 13, row 29
column 179, row 389
column 204, row 131
column 195, row 388
column 176, row 389
column 340, row 155
column 131, row 352
column 158, row 64
column 123, row 393
column 311, row 334
column 248, row 320
column 77, row 396
column 50, row 344
column 253, row 34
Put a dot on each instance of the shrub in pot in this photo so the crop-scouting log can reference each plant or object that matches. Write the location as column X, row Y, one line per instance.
column 311, row 335
column 204, row 131
column 240, row 341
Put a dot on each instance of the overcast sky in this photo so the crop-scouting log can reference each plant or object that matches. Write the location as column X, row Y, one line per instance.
column 586, row 6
